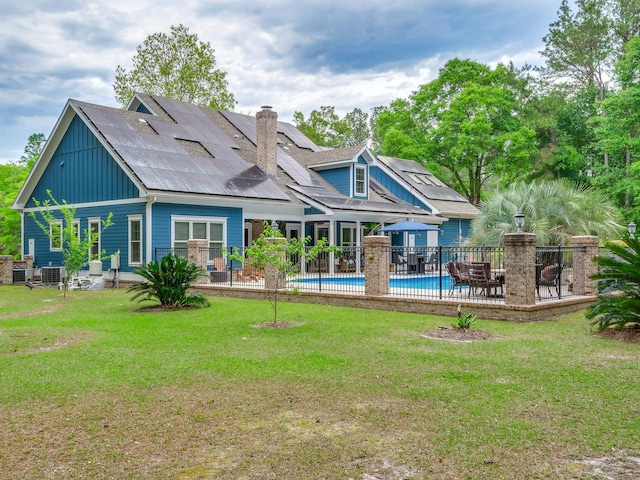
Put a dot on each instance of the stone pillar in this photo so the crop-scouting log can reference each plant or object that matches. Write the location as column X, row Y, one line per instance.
column 267, row 140
column 584, row 266
column 520, row 268
column 376, row 271
column 28, row 261
column 271, row 272
column 198, row 252
column 6, row 269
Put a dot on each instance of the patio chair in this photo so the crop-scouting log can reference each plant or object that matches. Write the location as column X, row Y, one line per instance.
column 399, row 261
column 414, row 263
column 457, row 279
column 480, row 277
column 549, row 277
column 433, row 261
column 347, row 265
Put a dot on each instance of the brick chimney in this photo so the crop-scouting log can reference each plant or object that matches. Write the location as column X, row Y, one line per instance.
column 267, row 140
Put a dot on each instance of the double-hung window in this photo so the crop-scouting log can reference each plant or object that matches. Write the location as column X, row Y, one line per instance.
column 360, row 187
column 211, row 229
column 135, row 239
column 94, row 231
column 55, row 236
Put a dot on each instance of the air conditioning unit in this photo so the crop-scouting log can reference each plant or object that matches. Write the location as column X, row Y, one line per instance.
column 22, row 275
column 53, row 275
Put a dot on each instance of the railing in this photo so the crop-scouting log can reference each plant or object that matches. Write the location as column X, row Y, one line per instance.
column 429, row 273
column 414, row 272
column 554, row 272
column 341, row 273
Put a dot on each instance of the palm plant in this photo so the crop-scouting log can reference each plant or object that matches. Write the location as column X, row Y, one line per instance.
column 555, row 211
column 167, row 282
column 618, row 302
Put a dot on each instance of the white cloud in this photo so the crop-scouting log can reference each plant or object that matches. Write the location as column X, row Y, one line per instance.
column 293, row 54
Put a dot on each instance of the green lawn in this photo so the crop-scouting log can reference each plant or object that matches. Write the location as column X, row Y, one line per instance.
column 92, row 388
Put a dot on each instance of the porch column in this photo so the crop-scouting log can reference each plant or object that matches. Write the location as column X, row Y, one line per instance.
column 332, row 241
column 584, row 266
column 198, row 253
column 376, row 271
column 520, row 268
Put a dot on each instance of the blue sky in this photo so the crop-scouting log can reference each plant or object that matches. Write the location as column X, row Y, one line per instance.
column 293, row 54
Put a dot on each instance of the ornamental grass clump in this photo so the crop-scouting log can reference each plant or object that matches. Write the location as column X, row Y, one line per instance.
column 167, row 283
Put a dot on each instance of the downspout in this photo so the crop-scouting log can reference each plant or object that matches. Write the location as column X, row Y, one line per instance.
column 149, row 224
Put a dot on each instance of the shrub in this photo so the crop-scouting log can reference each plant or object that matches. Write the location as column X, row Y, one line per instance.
column 618, row 301
column 167, row 282
column 465, row 320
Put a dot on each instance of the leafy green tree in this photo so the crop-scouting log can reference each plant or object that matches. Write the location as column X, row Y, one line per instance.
column 618, row 302
column 74, row 243
column 325, row 127
column 168, row 281
column 271, row 250
column 555, row 211
column 618, row 131
column 580, row 44
column 464, row 126
column 12, row 177
column 175, row 65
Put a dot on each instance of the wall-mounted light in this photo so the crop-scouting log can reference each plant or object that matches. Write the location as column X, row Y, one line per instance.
column 62, row 164
column 519, row 221
column 632, row 229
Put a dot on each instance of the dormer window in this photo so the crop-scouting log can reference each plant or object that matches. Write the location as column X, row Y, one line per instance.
column 360, row 181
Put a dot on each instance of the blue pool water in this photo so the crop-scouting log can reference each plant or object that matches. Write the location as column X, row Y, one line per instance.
column 430, row 282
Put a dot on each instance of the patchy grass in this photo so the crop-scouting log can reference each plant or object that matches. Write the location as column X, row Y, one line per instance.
column 90, row 388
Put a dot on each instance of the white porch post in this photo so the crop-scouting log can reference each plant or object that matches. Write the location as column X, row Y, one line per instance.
column 332, row 241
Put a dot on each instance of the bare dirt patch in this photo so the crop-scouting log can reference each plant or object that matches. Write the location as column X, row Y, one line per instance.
column 278, row 324
column 452, row 334
column 618, row 466
column 26, row 341
column 629, row 334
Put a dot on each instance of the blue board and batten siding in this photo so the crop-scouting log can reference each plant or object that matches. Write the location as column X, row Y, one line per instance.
column 114, row 238
column 339, row 178
column 161, row 221
column 82, row 171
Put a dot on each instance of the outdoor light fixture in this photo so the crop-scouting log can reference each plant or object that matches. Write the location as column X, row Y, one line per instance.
column 519, row 221
column 632, row 229
column 274, row 225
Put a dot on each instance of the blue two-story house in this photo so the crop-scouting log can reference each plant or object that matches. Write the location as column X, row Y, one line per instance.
column 170, row 171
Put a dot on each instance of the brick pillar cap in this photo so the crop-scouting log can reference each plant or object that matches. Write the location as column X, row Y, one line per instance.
column 520, row 238
column 585, row 240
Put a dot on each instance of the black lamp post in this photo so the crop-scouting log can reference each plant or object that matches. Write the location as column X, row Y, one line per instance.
column 519, row 221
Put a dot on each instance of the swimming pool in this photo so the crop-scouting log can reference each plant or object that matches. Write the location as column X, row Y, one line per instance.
column 421, row 282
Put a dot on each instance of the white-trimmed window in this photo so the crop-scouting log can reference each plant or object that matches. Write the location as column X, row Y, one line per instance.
column 212, row 229
column 55, row 236
column 135, row 239
column 360, row 178
column 95, row 248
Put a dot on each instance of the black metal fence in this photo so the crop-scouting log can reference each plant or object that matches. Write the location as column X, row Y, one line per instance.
column 554, row 272
column 414, row 272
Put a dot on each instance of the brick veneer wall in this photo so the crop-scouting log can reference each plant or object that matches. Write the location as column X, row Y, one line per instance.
column 520, row 269
column 376, row 261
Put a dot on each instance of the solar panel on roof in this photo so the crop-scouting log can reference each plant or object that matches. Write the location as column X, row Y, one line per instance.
column 195, row 121
column 300, row 174
column 161, row 163
column 244, row 123
column 296, row 136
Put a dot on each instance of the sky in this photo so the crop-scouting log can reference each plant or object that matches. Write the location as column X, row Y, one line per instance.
column 295, row 55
